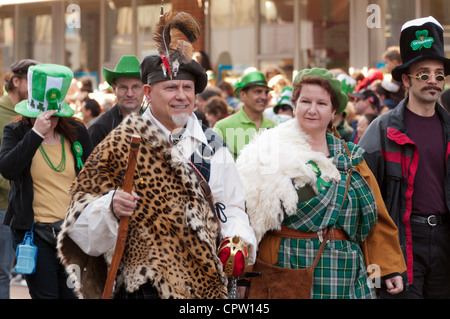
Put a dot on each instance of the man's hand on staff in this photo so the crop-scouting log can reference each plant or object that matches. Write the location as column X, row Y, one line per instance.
column 124, row 203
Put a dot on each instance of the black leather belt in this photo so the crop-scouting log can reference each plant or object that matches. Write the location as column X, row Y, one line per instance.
column 431, row 220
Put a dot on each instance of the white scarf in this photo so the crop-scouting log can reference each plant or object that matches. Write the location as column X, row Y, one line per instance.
column 270, row 165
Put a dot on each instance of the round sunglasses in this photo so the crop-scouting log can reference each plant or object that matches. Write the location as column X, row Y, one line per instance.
column 426, row 76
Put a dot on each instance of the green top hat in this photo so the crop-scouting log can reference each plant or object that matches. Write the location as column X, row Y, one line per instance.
column 128, row 67
column 254, row 78
column 335, row 84
column 47, row 87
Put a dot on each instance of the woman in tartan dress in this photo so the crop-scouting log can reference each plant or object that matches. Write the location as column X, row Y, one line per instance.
column 296, row 181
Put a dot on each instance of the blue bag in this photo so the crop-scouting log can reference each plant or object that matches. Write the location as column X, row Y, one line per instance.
column 26, row 255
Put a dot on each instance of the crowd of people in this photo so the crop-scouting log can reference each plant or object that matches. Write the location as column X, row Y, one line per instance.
column 348, row 168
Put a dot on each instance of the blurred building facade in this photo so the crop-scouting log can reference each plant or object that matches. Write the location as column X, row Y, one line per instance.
column 87, row 35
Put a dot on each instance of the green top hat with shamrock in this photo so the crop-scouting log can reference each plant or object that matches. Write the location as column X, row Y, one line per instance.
column 128, row 67
column 47, row 88
column 254, row 78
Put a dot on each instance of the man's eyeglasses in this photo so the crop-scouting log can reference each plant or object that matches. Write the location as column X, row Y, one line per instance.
column 124, row 89
column 426, row 76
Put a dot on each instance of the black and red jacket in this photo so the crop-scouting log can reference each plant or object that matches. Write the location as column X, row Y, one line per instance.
column 393, row 158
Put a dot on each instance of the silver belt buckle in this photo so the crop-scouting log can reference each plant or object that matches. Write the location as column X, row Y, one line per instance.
column 320, row 234
column 432, row 220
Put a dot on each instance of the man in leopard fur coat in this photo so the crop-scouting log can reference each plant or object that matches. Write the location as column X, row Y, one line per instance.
column 171, row 248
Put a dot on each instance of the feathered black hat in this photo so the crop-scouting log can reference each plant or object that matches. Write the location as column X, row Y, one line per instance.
column 174, row 35
column 421, row 39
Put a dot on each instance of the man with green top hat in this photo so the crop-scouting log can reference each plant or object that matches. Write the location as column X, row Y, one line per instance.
column 126, row 82
column 16, row 88
column 41, row 154
column 238, row 129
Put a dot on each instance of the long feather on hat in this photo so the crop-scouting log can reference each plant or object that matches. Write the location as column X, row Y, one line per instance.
column 173, row 36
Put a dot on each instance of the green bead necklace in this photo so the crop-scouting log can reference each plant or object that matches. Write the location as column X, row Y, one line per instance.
column 62, row 164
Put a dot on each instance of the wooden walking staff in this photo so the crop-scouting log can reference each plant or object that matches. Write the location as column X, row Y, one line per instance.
column 124, row 220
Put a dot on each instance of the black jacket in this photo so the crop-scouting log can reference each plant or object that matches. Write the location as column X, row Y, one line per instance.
column 105, row 124
column 19, row 145
column 393, row 158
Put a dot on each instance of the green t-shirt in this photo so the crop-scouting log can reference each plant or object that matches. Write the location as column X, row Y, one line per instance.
column 237, row 130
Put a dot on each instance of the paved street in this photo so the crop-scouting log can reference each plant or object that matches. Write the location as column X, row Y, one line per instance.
column 18, row 291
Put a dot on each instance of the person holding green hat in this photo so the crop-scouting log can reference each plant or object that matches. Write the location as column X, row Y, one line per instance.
column 126, row 83
column 303, row 183
column 239, row 128
column 41, row 154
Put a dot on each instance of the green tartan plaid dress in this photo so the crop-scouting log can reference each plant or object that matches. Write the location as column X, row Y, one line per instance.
column 341, row 271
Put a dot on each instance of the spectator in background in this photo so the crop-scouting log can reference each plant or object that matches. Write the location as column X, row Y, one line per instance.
column 126, row 82
column 87, row 86
column 365, row 102
column 201, row 99
column 203, row 59
column 284, row 109
column 215, row 109
column 363, row 123
column 238, row 129
column 90, row 110
column 385, row 91
column 271, row 71
column 16, row 86
column 392, row 59
column 277, row 84
column 372, row 75
column 343, row 126
column 227, row 92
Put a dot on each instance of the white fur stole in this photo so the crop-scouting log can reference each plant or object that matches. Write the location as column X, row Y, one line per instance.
column 270, row 165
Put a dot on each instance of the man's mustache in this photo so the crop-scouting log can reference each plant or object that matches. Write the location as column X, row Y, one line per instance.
column 432, row 88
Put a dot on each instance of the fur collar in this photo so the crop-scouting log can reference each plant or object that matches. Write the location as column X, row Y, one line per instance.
column 270, row 166
column 179, row 206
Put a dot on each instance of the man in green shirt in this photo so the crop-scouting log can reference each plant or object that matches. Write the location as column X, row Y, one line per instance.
column 16, row 87
column 238, row 129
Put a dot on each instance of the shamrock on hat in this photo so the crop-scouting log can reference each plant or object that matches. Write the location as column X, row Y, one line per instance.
column 421, row 39
column 47, row 87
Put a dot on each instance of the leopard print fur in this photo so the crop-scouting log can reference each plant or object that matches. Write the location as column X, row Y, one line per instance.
column 172, row 234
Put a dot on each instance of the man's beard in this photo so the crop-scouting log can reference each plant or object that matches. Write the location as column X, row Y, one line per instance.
column 180, row 120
